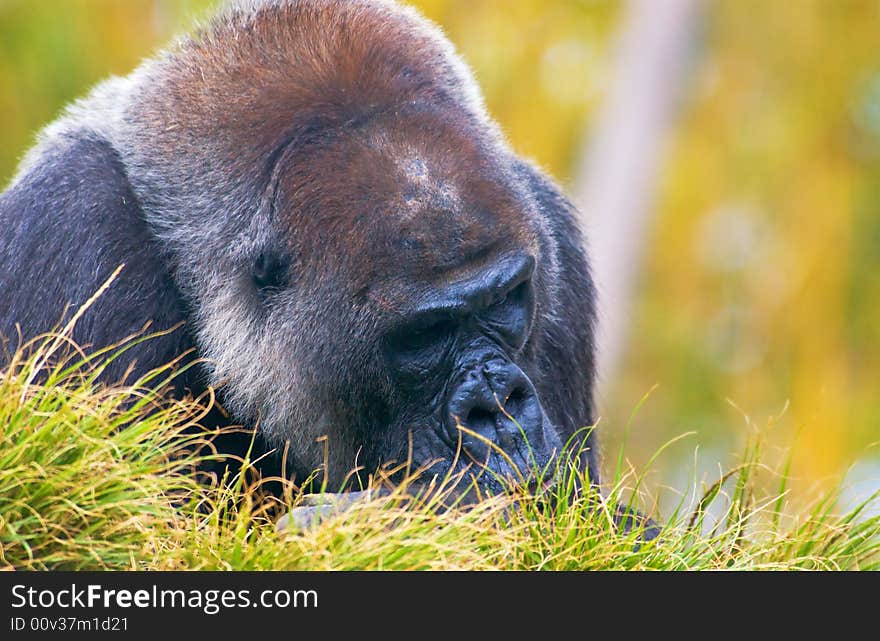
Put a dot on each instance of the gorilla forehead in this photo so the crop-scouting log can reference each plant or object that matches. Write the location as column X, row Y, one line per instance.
column 403, row 198
column 252, row 74
column 333, row 109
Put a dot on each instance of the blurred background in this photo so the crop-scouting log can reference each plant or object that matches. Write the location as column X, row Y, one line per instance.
column 726, row 154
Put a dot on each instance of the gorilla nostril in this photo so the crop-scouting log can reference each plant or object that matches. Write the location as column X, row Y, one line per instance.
column 514, row 402
column 478, row 417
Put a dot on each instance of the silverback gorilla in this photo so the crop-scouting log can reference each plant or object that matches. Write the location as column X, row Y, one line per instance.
column 314, row 190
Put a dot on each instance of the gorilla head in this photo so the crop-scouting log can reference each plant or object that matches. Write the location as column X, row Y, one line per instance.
column 315, row 188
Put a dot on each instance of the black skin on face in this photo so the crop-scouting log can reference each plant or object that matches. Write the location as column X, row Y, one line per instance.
column 459, row 351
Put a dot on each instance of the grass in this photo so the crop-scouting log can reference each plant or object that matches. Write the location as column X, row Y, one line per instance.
column 101, row 478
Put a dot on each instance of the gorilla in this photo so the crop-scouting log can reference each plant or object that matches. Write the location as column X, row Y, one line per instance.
column 312, row 193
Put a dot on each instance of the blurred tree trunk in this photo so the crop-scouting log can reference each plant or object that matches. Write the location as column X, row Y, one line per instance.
column 616, row 182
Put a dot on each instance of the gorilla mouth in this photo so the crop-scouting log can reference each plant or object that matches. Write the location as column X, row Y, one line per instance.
column 466, row 484
column 476, row 466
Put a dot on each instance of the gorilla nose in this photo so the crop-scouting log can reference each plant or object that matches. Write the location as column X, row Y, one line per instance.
column 498, row 403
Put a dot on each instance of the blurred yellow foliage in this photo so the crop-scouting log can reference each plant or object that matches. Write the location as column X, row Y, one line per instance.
column 761, row 283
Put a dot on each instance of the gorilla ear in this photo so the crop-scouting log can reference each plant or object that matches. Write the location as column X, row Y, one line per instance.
column 269, row 272
column 67, row 222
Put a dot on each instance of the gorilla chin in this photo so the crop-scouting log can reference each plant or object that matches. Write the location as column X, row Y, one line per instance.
column 360, row 264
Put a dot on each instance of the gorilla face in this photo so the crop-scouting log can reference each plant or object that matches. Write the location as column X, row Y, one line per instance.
column 406, row 273
column 459, row 363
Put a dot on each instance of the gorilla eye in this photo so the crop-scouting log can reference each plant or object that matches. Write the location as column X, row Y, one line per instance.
column 417, row 338
column 511, row 315
column 518, row 297
column 513, row 297
column 270, row 272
